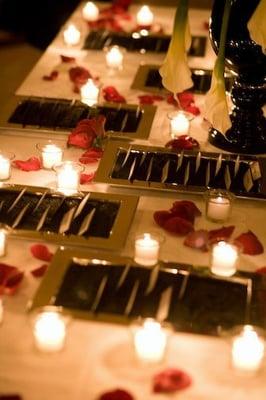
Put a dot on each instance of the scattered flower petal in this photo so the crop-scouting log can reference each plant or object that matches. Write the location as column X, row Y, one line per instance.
column 79, row 75
column 183, row 142
column 261, row 271
column 221, row 234
column 149, row 98
column 197, row 240
column 118, row 394
column 32, row 164
column 86, row 178
column 171, row 380
column 178, row 226
column 160, row 217
column 41, row 252
column 110, row 93
column 52, row 77
column 39, row 271
column 67, row 59
column 185, row 208
column 13, row 282
column 249, row 243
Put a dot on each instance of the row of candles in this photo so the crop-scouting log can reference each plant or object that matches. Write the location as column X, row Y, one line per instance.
column 151, row 339
column 90, row 13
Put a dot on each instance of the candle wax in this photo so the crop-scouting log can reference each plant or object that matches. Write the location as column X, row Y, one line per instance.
column 49, row 332
column 218, row 209
column 2, row 243
column 51, row 155
column 150, row 342
column 4, row 168
column 179, row 125
column 146, row 250
column 224, row 259
column 247, row 350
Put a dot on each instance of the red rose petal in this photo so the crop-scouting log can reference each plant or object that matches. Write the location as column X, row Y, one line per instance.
column 79, row 75
column 32, row 164
column 82, row 140
column 185, row 99
column 171, row 380
column 67, row 59
column 220, row 234
column 197, row 240
column 5, row 271
column 160, row 217
column 39, row 271
column 185, row 209
column 118, row 394
column 88, row 160
column 86, row 178
column 110, row 93
column 52, row 77
column 13, row 282
column 146, row 99
column 261, row 270
column 193, row 109
column 41, row 252
column 183, row 142
column 250, row 243
column 178, row 226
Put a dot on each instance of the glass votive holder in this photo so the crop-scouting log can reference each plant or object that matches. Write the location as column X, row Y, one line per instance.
column 247, row 348
column 150, row 339
column 5, row 164
column 218, row 205
column 114, row 57
column 51, row 153
column 68, row 177
column 147, row 248
column 3, row 235
column 90, row 93
column 224, row 258
column 179, row 122
column 71, row 35
column 49, row 329
column 145, row 17
column 90, row 12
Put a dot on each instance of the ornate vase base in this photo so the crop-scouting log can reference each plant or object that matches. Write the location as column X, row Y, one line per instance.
column 219, row 140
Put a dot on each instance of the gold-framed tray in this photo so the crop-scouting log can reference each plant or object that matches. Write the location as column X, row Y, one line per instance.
column 112, row 288
column 148, row 79
column 148, row 167
column 61, row 115
column 140, row 41
column 91, row 219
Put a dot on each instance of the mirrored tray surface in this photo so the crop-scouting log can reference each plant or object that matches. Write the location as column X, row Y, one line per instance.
column 115, row 289
column 148, row 167
column 130, row 121
column 86, row 219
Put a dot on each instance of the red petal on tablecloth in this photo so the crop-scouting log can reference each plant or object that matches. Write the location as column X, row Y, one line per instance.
column 178, row 226
column 67, row 59
column 185, row 209
column 52, row 77
column 197, row 240
column 193, row 109
column 110, row 93
column 88, row 160
column 80, row 139
column 117, row 394
column 39, row 271
column 91, row 156
column 183, row 142
column 221, row 234
column 41, row 252
column 161, row 216
column 185, row 102
column 249, row 243
column 6, row 271
column 149, row 98
column 79, row 75
column 185, row 99
column 86, row 178
column 261, row 271
column 32, row 164
column 171, row 380
column 13, row 282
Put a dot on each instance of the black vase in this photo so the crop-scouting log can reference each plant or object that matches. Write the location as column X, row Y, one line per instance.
column 248, row 63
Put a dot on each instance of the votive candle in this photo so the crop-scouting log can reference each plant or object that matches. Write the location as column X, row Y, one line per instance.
column 5, row 167
column 224, row 258
column 114, row 58
column 150, row 341
column 179, row 123
column 147, row 248
column 90, row 12
column 2, row 242
column 51, row 155
column 68, row 176
column 218, row 208
column 49, row 331
column 71, row 35
column 89, row 93
column 248, row 350
column 145, row 16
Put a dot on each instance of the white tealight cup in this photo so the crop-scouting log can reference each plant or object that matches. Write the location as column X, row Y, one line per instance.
column 147, row 248
column 145, row 17
column 114, row 58
column 71, row 35
column 218, row 205
column 224, row 258
column 90, row 12
column 68, row 177
column 179, row 123
column 51, row 154
column 5, row 165
column 89, row 93
column 248, row 350
column 2, row 242
column 150, row 340
column 49, row 331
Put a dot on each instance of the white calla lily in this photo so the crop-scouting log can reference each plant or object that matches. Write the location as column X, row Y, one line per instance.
column 257, row 25
column 175, row 73
column 216, row 107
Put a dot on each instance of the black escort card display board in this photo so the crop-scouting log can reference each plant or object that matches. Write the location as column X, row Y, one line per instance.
column 84, row 219
column 140, row 41
column 148, row 167
column 63, row 115
column 116, row 289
